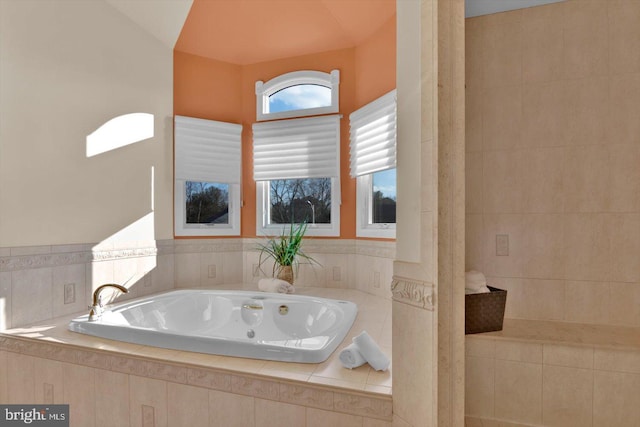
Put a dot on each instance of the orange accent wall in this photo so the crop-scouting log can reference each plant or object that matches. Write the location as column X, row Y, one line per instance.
column 376, row 64
column 216, row 90
column 206, row 88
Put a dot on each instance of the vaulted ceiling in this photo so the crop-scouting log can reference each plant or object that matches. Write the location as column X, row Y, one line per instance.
column 251, row 31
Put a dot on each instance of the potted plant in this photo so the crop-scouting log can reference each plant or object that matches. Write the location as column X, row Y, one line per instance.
column 286, row 252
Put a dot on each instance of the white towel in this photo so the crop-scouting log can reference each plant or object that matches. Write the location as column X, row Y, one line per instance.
column 275, row 286
column 350, row 357
column 475, row 280
column 482, row 290
column 371, row 352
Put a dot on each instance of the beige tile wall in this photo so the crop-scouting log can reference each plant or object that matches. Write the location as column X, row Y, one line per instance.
column 33, row 280
column 553, row 158
column 156, row 266
column 526, row 383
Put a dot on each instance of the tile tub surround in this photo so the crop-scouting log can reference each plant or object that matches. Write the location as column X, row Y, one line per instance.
column 360, row 395
column 549, row 373
column 147, row 267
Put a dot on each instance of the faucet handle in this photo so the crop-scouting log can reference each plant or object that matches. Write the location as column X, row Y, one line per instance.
column 95, row 312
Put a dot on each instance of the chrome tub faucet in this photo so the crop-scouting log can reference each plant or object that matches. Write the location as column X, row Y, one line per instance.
column 96, row 306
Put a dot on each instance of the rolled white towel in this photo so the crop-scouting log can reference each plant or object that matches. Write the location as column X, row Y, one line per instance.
column 482, row 290
column 274, row 285
column 371, row 352
column 351, row 357
column 474, row 280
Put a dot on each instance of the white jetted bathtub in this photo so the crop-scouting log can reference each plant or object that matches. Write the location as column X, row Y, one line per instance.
column 258, row 325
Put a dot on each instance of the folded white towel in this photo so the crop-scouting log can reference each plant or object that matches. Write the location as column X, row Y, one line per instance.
column 482, row 290
column 350, row 357
column 475, row 280
column 275, row 286
column 371, row 352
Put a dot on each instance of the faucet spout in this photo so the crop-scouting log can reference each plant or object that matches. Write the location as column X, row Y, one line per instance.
column 96, row 307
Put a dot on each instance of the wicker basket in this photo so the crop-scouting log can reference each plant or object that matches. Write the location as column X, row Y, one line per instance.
column 484, row 312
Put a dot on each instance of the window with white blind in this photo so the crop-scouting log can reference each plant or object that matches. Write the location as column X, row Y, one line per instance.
column 372, row 149
column 207, row 177
column 297, row 172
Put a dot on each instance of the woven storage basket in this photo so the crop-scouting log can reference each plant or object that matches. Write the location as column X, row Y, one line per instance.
column 484, row 312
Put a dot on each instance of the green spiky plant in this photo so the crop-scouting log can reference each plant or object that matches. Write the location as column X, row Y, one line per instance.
column 286, row 249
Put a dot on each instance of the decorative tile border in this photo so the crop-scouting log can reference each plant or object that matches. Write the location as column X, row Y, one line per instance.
column 361, row 403
column 306, row 396
column 25, row 262
column 330, row 246
column 186, row 246
column 209, row 379
column 376, row 249
column 311, row 245
column 118, row 254
column 13, row 259
column 413, row 292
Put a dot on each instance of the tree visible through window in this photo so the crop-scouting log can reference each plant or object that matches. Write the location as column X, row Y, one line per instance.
column 207, row 203
column 300, row 200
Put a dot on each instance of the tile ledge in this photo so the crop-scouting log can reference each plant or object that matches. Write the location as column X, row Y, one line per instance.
column 565, row 333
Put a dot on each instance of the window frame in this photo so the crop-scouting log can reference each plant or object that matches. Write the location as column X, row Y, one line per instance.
column 263, row 215
column 263, row 92
column 189, row 230
column 305, row 77
column 364, row 212
column 364, row 170
column 204, row 136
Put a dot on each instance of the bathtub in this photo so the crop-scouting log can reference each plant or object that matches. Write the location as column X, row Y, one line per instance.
column 257, row 325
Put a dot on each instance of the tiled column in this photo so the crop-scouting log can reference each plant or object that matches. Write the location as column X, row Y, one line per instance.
column 451, row 212
column 428, row 306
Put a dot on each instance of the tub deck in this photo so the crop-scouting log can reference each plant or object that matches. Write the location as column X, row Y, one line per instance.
column 374, row 316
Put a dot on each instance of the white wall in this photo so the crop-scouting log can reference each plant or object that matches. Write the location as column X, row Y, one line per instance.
column 66, row 68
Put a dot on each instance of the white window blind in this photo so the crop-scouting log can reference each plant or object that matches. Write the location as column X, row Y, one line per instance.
column 297, row 148
column 207, row 150
column 372, row 132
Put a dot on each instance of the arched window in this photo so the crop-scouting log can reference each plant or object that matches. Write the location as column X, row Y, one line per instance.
column 296, row 162
column 298, row 94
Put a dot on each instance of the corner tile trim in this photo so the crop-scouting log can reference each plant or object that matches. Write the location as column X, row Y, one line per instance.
column 413, row 292
column 360, row 403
